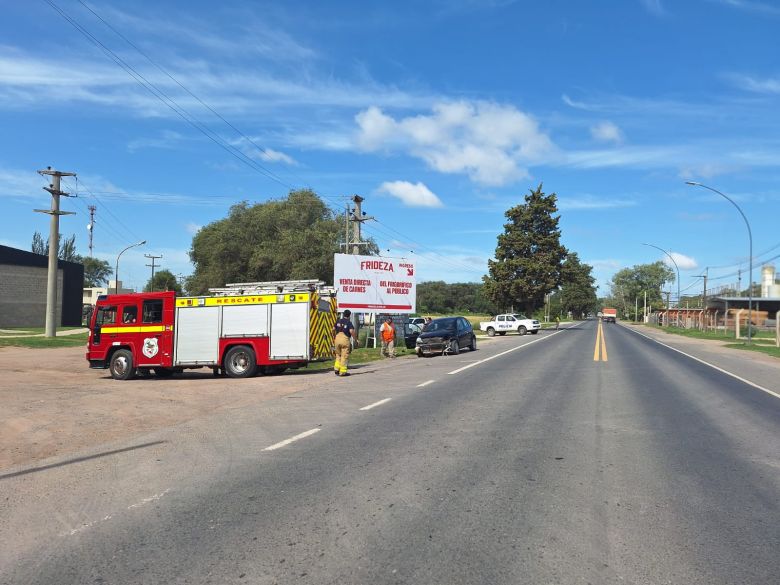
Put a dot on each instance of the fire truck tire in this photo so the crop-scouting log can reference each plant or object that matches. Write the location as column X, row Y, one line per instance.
column 163, row 372
column 240, row 362
column 121, row 366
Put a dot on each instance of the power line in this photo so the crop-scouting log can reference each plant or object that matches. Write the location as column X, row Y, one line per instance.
column 173, row 105
column 168, row 101
column 182, row 86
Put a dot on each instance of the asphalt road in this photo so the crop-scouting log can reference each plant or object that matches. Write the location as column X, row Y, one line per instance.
column 543, row 464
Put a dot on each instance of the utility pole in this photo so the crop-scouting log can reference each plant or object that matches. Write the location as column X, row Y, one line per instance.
column 357, row 219
column 346, row 229
column 91, row 226
column 152, row 257
column 739, row 282
column 668, row 306
column 644, row 311
column 54, row 245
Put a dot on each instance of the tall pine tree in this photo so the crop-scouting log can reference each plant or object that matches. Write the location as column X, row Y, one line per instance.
column 529, row 255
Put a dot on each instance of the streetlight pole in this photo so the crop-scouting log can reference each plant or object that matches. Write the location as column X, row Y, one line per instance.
column 116, row 271
column 678, row 274
column 750, row 257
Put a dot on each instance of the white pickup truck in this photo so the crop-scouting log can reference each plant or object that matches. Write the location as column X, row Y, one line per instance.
column 508, row 322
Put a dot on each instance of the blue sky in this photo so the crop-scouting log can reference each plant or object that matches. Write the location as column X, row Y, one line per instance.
column 441, row 114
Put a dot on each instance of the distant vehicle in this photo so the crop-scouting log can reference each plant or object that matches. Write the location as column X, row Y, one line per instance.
column 416, row 320
column 510, row 322
column 446, row 335
column 608, row 315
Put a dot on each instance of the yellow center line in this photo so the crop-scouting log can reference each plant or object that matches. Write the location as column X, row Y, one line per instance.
column 600, row 349
column 603, row 347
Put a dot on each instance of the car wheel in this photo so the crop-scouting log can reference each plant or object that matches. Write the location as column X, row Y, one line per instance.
column 121, row 366
column 522, row 330
column 240, row 362
column 491, row 332
column 473, row 346
column 454, row 347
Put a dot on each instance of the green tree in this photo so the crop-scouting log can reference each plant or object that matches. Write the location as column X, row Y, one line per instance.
column 163, row 280
column 630, row 284
column 287, row 239
column 66, row 250
column 439, row 297
column 529, row 255
column 96, row 272
column 39, row 246
column 578, row 290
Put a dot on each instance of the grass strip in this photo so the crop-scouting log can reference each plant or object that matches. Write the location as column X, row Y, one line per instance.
column 765, row 349
column 45, row 342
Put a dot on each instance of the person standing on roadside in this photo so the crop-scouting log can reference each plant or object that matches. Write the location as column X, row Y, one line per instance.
column 342, row 335
column 387, row 332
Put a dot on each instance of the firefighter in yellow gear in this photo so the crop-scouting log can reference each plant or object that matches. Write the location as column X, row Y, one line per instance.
column 343, row 332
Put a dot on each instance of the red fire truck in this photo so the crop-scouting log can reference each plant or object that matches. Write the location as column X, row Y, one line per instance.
column 241, row 331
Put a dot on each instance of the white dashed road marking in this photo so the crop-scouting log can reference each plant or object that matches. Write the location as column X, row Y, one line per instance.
column 370, row 406
column 424, row 384
column 291, row 440
column 492, row 357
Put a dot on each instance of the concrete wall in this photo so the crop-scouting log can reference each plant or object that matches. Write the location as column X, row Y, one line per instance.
column 23, row 296
column 23, row 277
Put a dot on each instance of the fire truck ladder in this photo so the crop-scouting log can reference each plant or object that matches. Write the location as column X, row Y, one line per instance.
column 274, row 287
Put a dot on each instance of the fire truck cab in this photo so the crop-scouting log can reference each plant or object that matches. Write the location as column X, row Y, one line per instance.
column 235, row 332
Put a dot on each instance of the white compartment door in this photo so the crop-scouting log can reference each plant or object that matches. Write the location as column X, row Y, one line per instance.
column 197, row 335
column 290, row 331
column 244, row 320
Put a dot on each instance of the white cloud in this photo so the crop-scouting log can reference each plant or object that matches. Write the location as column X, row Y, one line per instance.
column 770, row 85
column 411, row 194
column 192, row 228
column 31, row 81
column 166, row 139
column 683, row 262
column 493, row 144
column 750, row 6
column 16, row 183
column 586, row 202
column 606, row 132
column 271, row 155
column 653, row 6
column 705, row 171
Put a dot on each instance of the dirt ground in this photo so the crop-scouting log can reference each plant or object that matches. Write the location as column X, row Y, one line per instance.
column 42, row 389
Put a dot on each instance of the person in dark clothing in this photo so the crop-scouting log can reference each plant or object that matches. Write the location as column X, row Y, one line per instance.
column 343, row 332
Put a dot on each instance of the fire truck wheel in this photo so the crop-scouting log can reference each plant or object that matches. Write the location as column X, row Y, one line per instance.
column 121, row 366
column 240, row 362
column 163, row 372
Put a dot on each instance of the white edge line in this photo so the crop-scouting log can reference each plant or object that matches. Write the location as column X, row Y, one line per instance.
column 701, row 361
column 424, row 384
column 291, row 440
column 492, row 357
column 370, row 406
